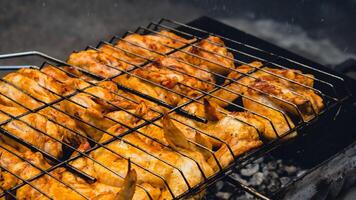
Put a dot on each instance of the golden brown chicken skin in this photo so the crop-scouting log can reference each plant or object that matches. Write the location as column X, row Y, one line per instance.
column 45, row 134
column 100, row 107
column 154, row 161
column 65, row 76
column 274, row 84
column 55, row 186
column 272, row 97
column 210, row 52
column 19, row 163
column 172, row 74
column 98, row 63
column 151, row 46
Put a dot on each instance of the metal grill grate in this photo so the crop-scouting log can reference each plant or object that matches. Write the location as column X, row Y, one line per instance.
column 329, row 87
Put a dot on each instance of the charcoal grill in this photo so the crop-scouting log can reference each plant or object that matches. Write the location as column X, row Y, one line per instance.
column 331, row 86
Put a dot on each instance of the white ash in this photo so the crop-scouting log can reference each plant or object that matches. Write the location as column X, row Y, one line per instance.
column 266, row 175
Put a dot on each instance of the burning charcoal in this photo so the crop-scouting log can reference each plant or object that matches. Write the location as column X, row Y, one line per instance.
column 284, row 180
column 281, row 172
column 265, row 173
column 223, row 195
column 238, row 178
column 274, row 175
column 279, row 163
column 274, row 185
column 271, row 165
column 262, row 187
column 250, row 170
column 219, row 185
column 291, row 170
column 257, row 179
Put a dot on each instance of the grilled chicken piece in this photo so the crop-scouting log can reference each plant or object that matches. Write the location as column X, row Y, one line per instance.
column 40, row 81
column 37, row 130
column 232, row 133
column 10, row 108
column 64, row 77
column 133, row 117
column 18, row 96
column 148, row 89
column 240, row 131
column 32, row 87
column 299, row 88
column 108, row 61
column 47, row 81
column 116, row 166
column 289, row 96
column 98, row 63
column 150, row 46
column 169, row 72
column 294, row 97
column 172, row 74
column 276, row 121
column 94, row 106
column 72, row 134
column 79, row 188
column 233, row 90
column 16, row 162
column 185, row 161
column 122, row 54
column 210, row 52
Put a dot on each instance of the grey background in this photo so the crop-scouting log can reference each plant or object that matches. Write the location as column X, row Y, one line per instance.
column 320, row 30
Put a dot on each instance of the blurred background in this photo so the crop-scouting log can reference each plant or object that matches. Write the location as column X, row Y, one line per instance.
column 322, row 30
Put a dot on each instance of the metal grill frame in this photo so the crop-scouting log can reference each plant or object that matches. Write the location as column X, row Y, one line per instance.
column 176, row 27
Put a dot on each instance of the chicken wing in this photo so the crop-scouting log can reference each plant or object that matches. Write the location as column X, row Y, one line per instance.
column 38, row 130
column 32, row 87
column 116, row 167
column 159, row 160
column 92, row 106
column 11, row 108
column 172, row 74
column 210, row 52
column 64, row 77
column 271, row 83
column 151, row 46
column 19, row 98
column 232, row 133
column 16, row 163
column 46, row 81
column 54, row 187
column 98, row 63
